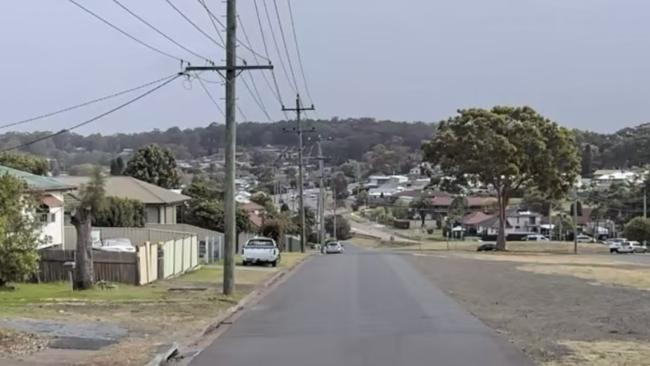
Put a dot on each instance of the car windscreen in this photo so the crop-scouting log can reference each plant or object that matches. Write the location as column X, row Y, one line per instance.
column 259, row 243
column 332, row 244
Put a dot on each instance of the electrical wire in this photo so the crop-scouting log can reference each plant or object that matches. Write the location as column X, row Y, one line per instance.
column 205, row 88
column 266, row 79
column 300, row 63
column 159, row 31
column 214, row 24
column 239, row 41
column 259, row 103
column 194, row 24
column 125, row 33
column 84, row 123
column 266, row 51
column 277, row 47
column 67, row 109
column 284, row 42
column 243, row 115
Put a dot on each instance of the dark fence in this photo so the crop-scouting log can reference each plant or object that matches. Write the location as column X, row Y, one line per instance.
column 111, row 267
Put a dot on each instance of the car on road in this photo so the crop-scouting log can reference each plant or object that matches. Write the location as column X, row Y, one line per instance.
column 334, row 247
column 582, row 238
column 536, row 237
column 116, row 245
column 486, row 246
column 620, row 246
column 638, row 247
column 260, row 251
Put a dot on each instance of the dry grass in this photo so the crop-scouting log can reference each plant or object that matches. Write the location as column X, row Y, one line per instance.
column 610, row 353
column 543, row 258
column 637, row 278
column 516, row 247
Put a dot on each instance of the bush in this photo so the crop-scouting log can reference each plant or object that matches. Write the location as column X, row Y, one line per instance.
column 120, row 212
column 638, row 229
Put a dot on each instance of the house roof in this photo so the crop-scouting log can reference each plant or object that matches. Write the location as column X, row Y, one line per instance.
column 442, row 201
column 135, row 189
column 37, row 182
column 255, row 220
column 476, row 218
column 251, row 207
column 480, row 201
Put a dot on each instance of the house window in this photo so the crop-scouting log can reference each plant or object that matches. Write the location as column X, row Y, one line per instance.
column 43, row 218
column 532, row 220
column 53, row 217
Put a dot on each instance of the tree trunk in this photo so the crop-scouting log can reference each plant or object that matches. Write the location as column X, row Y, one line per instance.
column 501, row 236
column 84, row 275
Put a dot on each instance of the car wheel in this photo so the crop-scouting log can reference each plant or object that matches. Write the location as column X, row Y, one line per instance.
column 274, row 263
column 244, row 263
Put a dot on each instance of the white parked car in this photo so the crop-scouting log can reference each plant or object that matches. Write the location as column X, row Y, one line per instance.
column 334, row 247
column 620, row 246
column 260, row 250
column 582, row 238
column 121, row 245
column 638, row 247
column 536, row 237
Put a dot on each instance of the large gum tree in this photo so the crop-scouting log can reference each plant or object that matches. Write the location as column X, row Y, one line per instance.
column 507, row 148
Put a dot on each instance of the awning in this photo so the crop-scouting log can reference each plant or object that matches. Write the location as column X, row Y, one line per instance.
column 51, row 201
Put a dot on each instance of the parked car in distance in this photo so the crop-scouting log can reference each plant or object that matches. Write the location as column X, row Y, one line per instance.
column 536, row 237
column 582, row 238
column 334, row 247
column 260, row 250
column 638, row 247
column 620, row 246
column 486, row 247
column 121, row 245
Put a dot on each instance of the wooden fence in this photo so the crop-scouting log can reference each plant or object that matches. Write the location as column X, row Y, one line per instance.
column 112, row 267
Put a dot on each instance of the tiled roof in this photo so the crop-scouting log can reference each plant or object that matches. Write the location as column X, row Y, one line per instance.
column 476, row 218
column 37, row 182
column 251, row 206
column 129, row 187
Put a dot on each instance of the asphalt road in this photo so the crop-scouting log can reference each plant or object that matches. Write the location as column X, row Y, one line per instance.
column 359, row 308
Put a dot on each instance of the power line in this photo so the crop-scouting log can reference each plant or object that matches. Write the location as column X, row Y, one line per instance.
column 67, row 109
column 277, row 47
column 300, row 63
column 159, row 31
column 284, row 41
column 266, row 80
column 210, row 96
column 194, row 24
column 243, row 115
column 125, row 33
column 259, row 102
column 74, row 127
column 212, row 20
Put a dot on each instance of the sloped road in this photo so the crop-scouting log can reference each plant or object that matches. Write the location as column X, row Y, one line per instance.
column 360, row 308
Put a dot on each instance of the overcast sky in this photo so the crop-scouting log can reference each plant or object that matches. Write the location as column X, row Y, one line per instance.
column 583, row 63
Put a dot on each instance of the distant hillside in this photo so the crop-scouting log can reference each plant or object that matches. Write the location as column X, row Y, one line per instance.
column 628, row 147
column 350, row 139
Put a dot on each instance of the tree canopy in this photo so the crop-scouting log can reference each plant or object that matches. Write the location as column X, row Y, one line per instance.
column 507, row 148
column 25, row 162
column 155, row 165
column 638, row 229
column 18, row 232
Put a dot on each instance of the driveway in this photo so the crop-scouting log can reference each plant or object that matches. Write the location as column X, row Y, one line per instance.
column 359, row 308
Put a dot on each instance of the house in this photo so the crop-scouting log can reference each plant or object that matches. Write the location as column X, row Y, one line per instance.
column 160, row 204
column 380, row 180
column 50, row 211
column 518, row 223
column 471, row 222
column 255, row 214
column 606, row 177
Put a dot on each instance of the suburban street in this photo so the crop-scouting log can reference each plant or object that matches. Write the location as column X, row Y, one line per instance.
column 359, row 308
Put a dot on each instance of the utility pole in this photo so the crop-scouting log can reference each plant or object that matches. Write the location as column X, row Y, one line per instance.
column 232, row 70
column 575, row 224
column 334, row 231
column 299, row 109
column 645, row 202
column 321, row 194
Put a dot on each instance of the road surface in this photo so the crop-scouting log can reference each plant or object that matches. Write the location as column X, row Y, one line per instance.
column 359, row 308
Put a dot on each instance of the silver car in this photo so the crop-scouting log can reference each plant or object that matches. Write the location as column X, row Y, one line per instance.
column 334, row 247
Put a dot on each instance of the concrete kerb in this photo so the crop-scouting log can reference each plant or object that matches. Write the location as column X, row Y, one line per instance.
column 226, row 317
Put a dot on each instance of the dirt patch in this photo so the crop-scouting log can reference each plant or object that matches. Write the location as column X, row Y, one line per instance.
column 17, row 344
column 605, row 354
column 556, row 319
column 637, row 277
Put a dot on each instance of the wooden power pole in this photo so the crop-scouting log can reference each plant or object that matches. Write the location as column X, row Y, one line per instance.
column 299, row 109
column 231, row 69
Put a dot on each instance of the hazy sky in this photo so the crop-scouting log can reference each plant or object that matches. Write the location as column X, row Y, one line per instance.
column 584, row 63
